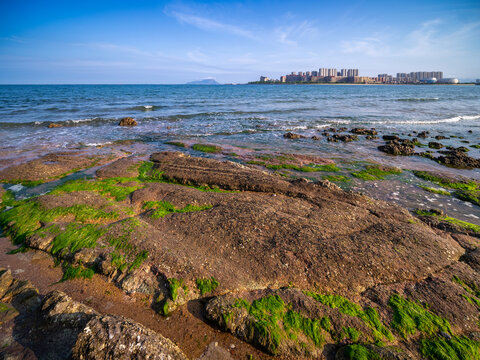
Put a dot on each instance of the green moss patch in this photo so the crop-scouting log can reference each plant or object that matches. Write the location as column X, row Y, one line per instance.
column 113, row 187
column 208, row 285
column 463, row 224
column 207, row 148
column 275, row 322
column 176, row 143
column 434, row 190
column 174, row 285
column 410, row 317
column 368, row 315
column 466, row 191
column 163, row 208
column 336, row 178
column 359, row 352
column 456, row 348
column 375, row 172
column 77, row 272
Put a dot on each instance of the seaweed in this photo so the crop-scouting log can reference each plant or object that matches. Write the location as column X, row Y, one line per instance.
column 375, row 172
column 207, row 285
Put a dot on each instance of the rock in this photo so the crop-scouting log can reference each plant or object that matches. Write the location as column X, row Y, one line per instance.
column 54, row 125
column 423, row 134
column 316, row 138
column 470, row 131
column 215, row 352
column 458, row 159
column 472, row 258
column 371, row 137
column 344, row 138
column 127, row 121
column 50, row 167
column 462, row 149
column 363, row 131
column 434, row 145
column 390, row 137
column 290, row 135
column 398, row 147
column 115, row 337
column 440, row 137
column 380, row 353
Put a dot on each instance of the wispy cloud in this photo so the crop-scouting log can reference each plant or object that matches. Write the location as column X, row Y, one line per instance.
column 13, row 38
column 211, row 25
column 371, row 46
column 292, row 34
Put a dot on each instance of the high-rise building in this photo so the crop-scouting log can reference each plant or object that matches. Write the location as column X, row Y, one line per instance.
column 332, row 72
column 323, row 72
column 314, row 73
column 343, row 72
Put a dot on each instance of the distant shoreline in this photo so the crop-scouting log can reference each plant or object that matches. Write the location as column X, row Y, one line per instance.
column 307, row 83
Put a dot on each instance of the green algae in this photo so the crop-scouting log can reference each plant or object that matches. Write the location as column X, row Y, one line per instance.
column 26, row 183
column 368, row 315
column 112, row 187
column 256, row 162
column 463, row 224
column 76, row 237
column 176, row 143
column 359, row 352
column 467, row 191
column 174, row 285
column 375, row 172
column 207, row 285
column 207, row 148
column 455, row 348
column 410, row 317
column 163, row 208
column 434, row 190
column 475, row 146
column 336, row 178
column 71, row 272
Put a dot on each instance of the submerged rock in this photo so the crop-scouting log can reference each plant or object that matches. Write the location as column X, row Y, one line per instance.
column 290, row 135
column 398, row 147
column 363, row 131
column 458, row 159
column 435, row 145
column 128, row 121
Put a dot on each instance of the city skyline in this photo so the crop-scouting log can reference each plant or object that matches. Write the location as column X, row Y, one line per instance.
column 180, row 41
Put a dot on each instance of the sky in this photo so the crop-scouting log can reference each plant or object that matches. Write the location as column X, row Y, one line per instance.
column 173, row 42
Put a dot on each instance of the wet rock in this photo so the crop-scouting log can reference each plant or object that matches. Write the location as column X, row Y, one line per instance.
column 423, row 134
column 127, row 121
column 458, row 159
column 21, row 294
column 398, row 147
column 290, row 135
column 390, row 137
column 126, row 167
column 342, row 129
column 381, row 353
column 470, row 131
column 364, row 131
column 49, row 167
column 54, row 125
column 472, row 258
column 371, row 137
column 215, row 352
column 316, row 138
column 434, row 145
column 116, row 337
column 344, row 138
column 440, row 137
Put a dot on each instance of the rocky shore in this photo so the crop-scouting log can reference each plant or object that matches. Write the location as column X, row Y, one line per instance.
column 297, row 268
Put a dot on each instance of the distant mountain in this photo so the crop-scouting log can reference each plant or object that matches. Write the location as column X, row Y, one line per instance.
column 204, row 82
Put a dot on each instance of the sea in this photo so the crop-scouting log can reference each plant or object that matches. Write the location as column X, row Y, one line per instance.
column 246, row 118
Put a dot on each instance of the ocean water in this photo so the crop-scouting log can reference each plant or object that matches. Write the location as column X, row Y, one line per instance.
column 227, row 114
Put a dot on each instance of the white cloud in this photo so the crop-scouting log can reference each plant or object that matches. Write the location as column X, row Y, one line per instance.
column 370, row 46
column 211, row 25
column 292, row 34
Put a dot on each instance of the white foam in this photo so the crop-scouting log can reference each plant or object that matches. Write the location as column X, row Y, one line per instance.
column 148, row 106
column 98, row 144
column 82, row 120
column 16, row 188
column 438, row 121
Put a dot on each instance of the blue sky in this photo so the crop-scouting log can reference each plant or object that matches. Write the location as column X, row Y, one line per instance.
column 178, row 41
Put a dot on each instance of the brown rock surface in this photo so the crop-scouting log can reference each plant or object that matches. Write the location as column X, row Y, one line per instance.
column 127, row 121
column 49, row 167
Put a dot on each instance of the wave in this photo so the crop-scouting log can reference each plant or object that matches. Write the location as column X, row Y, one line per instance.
column 436, row 121
column 146, row 107
column 418, row 99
